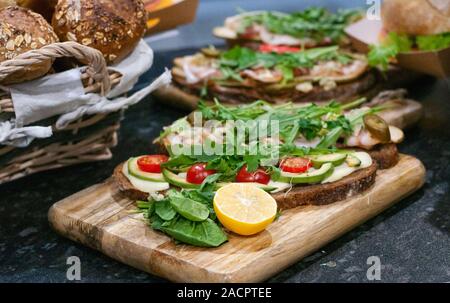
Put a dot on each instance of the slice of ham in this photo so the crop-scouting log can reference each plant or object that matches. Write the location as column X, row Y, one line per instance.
column 197, row 68
column 263, row 75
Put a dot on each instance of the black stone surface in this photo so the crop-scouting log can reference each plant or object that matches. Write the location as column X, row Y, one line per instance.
column 412, row 239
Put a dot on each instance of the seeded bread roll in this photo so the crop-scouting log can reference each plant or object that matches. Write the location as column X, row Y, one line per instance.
column 22, row 30
column 416, row 17
column 112, row 27
column 43, row 7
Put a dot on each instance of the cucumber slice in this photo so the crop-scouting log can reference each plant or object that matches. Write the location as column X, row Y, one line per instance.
column 353, row 161
column 335, row 159
column 133, row 169
column 315, row 176
column 176, row 180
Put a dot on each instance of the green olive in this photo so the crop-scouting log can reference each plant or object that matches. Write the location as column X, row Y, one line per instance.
column 210, row 52
column 377, row 127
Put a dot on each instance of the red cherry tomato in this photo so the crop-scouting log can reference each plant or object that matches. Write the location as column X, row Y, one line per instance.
column 152, row 163
column 258, row 176
column 197, row 173
column 280, row 49
column 295, row 165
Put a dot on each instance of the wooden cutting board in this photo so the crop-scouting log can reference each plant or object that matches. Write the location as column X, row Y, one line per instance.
column 101, row 218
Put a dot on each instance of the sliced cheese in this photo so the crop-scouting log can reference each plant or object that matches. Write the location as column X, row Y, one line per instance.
column 344, row 170
column 280, row 186
column 145, row 186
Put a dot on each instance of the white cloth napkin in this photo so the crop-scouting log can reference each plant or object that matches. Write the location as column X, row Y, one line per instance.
column 63, row 94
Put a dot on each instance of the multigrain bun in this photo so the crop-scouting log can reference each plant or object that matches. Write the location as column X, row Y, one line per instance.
column 112, row 27
column 22, row 30
column 416, row 17
column 6, row 3
column 43, row 7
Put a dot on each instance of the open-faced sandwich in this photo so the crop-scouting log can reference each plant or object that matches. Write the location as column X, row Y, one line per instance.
column 275, row 30
column 238, row 165
column 241, row 75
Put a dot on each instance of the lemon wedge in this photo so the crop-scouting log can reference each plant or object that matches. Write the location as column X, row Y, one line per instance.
column 244, row 208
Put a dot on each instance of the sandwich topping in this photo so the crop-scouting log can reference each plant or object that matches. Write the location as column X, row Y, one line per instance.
column 270, row 70
column 217, row 171
column 309, row 28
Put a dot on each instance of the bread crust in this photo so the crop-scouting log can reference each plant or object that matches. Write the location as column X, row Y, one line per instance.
column 22, row 30
column 112, row 27
column 385, row 155
column 236, row 95
column 125, row 186
column 416, row 17
column 322, row 194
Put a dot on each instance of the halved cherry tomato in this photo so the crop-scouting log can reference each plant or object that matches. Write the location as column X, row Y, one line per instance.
column 258, row 176
column 152, row 163
column 280, row 49
column 197, row 173
column 295, row 165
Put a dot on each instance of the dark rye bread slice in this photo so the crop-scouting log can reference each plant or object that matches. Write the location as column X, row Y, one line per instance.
column 125, row 186
column 322, row 194
column 318, row 194
column 384, row 156
column 365, row 85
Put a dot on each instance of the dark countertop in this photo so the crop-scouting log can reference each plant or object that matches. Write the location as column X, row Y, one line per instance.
column 412, row 239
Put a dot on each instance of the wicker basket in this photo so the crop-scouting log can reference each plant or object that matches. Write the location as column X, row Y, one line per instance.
column 88, row 139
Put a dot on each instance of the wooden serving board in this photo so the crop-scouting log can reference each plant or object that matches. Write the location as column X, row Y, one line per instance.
column 102, row 219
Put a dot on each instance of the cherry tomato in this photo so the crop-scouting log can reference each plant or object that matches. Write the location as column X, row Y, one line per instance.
column 152, row 163
column 197, row 173
column 280, row 49
column 295, row 165
column 258, row 176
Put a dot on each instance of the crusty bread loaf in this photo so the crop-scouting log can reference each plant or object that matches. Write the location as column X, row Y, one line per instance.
column 112, row 27
column 416, row 17
column 43, row 7
column 22, row 30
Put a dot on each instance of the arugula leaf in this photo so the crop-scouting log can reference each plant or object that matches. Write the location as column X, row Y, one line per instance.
column 433, row 42
column 316, row 23
column 233, row 61
column 380, row 55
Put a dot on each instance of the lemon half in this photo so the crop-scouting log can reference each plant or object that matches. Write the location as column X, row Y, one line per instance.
column 244, row 208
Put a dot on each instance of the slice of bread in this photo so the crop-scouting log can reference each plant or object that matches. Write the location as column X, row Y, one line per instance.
column 318, row 194
column 384, row 156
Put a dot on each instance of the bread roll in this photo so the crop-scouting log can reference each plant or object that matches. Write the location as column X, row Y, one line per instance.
column 22, row 30
column 416, row 17
column 43, row 7
column 112, row 27
column 6, row 3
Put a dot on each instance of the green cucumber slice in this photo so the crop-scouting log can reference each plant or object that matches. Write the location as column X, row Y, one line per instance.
column 176, row 180
column 133, row 169
column 335, row 159
column 353, row 161
column 308, row 177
